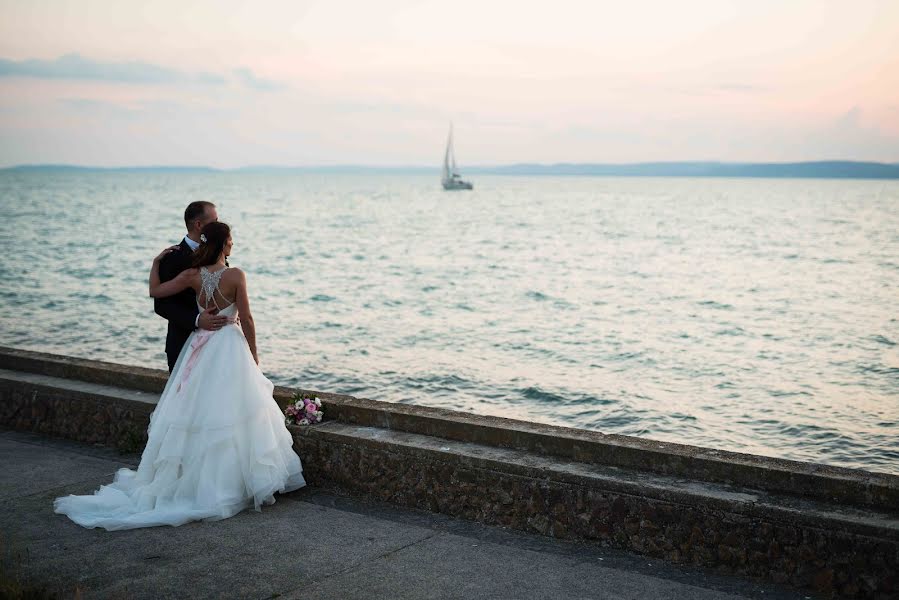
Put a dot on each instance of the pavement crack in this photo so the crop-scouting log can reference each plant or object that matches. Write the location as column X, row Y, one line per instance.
column 394, row 551
column 358, row 564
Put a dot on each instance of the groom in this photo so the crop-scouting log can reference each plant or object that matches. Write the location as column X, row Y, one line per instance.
column 181, row 309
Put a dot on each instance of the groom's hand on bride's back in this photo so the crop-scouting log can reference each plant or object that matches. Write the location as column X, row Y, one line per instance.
column 211, row 320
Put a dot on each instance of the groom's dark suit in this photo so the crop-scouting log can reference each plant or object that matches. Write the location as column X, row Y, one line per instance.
column 181, row 309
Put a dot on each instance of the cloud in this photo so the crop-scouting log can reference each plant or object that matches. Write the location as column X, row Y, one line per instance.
column 726, row 87
column 850, row 121
column 75, row 66
column 741, row 87
column 92, row 107
column 249, row 79
column 848, row 135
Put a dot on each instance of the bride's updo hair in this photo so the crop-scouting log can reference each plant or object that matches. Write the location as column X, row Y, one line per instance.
column 216, row 236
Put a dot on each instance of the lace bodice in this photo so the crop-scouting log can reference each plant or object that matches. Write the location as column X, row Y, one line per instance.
column 210, row 292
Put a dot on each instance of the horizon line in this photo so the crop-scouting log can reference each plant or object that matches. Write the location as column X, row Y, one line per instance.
column 479, row 167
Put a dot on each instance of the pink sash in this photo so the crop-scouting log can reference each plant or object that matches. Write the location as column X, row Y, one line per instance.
column 200, row 338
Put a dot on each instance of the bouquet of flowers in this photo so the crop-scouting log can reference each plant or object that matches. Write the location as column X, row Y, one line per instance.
column 305, row 409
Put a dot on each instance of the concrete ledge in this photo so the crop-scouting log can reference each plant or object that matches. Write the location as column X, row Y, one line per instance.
column 82, row 369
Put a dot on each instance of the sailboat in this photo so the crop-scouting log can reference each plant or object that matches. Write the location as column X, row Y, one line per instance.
column 451, row 179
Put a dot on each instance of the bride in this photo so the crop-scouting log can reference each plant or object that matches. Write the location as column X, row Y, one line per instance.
column 217, row 443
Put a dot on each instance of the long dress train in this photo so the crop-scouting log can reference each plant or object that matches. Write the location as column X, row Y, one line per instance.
column 217, row 443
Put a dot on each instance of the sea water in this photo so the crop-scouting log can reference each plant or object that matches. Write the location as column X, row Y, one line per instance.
column 753, row 315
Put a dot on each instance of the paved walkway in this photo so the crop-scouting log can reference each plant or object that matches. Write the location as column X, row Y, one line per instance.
column 310, row 544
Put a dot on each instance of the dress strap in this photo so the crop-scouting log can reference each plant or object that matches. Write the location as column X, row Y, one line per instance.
column 209, row 285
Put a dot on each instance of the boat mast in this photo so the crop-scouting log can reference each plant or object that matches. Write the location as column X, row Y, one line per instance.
column 446, row 155
column 452, row 154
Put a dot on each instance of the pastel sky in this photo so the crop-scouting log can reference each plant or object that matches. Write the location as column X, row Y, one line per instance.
column 228, row 83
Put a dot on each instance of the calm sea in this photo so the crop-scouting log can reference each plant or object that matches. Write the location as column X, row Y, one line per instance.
column 753, row 315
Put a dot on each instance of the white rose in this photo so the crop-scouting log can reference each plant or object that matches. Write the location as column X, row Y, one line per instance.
column 318, row 402
column 304, row 421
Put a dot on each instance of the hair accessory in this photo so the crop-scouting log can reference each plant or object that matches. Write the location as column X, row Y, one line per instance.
column 203, row 237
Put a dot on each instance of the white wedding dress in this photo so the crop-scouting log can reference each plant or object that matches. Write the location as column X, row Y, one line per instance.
column 217, row 443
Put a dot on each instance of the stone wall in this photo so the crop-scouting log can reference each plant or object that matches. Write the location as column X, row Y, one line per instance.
column 86, row 414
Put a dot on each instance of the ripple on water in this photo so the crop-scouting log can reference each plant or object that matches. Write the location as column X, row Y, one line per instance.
column 715, row 305
column 731, row 332
column 91, row 297
column 879, row 369
column 881, row 339
column 776, row 393
column 620, row 422
column 435, row 383
column 535, row 393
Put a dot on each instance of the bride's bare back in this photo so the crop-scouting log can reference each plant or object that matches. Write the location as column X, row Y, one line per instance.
column 216, row 288
column 221, row 288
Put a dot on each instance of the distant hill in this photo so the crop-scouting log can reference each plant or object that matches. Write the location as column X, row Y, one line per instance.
column 78, row 168
column 827, row 169
column 819, row 169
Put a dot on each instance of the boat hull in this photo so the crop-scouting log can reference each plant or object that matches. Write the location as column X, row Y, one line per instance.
column 457, row 185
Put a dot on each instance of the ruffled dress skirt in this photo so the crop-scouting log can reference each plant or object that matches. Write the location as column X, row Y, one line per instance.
column 217, row 444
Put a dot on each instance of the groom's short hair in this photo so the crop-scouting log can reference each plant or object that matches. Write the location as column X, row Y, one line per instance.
column 195, row 210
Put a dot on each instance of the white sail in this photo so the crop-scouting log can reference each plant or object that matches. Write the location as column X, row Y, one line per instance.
column 445, row 175
column 452, row 154
column 450, row 177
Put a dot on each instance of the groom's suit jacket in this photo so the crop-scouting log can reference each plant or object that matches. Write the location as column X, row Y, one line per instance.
column 181, row 309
